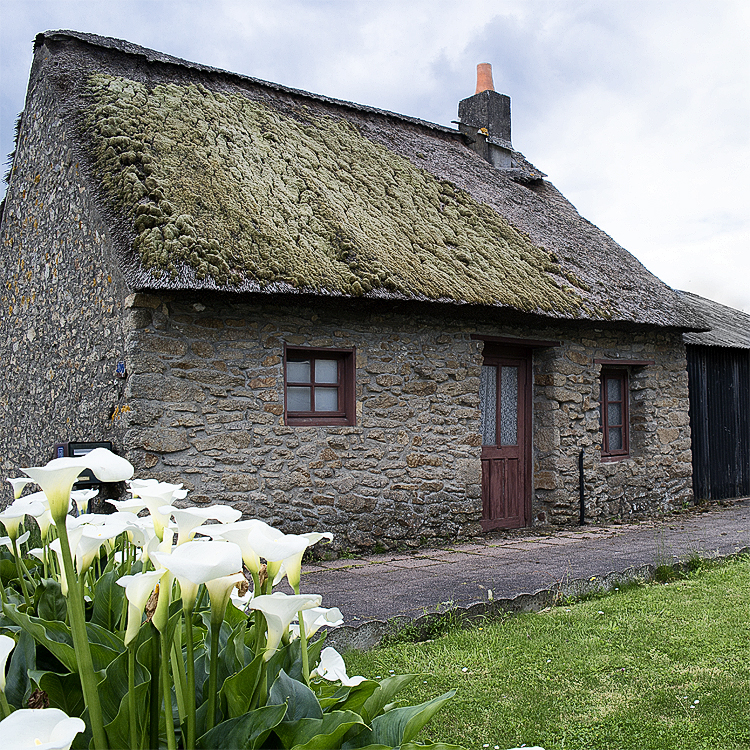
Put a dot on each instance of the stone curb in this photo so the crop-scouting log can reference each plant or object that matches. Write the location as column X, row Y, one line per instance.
column 372, row 633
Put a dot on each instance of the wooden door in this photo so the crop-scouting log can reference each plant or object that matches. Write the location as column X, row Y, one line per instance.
column 505, row 401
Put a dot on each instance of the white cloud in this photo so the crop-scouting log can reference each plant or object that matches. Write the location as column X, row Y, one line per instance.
column 638, row 111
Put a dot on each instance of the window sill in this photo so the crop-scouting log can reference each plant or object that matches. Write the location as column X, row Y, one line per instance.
column 615, row 459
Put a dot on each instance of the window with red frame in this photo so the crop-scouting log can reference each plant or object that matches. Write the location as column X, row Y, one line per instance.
column 319, row 386
column 614, row 414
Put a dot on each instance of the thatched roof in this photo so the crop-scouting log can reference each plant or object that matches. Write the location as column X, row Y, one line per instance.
column 218, row 181
column 729, row 327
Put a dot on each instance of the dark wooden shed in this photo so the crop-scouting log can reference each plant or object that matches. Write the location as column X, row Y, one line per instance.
column 719, row 385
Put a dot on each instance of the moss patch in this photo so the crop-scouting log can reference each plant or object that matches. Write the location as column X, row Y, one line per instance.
column 236, row 189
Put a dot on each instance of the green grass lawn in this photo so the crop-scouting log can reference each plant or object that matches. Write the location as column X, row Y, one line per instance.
column 649, row 667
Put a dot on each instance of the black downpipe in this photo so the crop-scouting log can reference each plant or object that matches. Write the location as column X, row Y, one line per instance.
column 581, row 496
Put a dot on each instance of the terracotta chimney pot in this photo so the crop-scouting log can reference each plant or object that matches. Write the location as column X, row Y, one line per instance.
column 484, row 78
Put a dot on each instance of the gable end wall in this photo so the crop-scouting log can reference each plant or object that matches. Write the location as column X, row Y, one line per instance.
column 61, row 323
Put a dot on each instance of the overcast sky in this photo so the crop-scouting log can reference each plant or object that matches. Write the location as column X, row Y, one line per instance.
column 637, row 110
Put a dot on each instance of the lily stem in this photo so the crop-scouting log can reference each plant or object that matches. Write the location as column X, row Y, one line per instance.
column 4, row 707
column 21, row 577
column 77, row 614
column 213, row 674
column 131, row 697
column 167, row 690
column 190, row 680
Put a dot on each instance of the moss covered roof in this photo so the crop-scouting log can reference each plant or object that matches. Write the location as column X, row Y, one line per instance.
column 235, row 189
column 217, row 181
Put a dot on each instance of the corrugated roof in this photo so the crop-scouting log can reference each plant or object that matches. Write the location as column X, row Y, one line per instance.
column 729, row 327
column 220, row 181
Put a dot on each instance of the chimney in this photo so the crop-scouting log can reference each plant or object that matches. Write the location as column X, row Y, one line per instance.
column 485, row 117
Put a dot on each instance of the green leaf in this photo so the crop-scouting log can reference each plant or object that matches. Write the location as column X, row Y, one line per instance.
column 301, row 701
column 108, row 598
column 8, row 572
column 318, row 734
column 400, row 725
column 23, row 658
column 99, row 635
column 350, row 698
column 51, row 602
column 238, row 689
column 431, row 746
column 63, row 690
column 246, row 732
column 118, row 730
column 54, row 636
column 383, row 695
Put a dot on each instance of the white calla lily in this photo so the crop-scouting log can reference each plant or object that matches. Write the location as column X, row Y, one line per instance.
column 18, row 483
column 82, row 497
column 107, row 466
column 74, row 532
column 279, row 610
column 56, row 480
column 6, row 541
column 132, row 505
column 219, row 591
column 40, row 729
column 7, row 644
column 319, row 617
column 194, row 563
column 332, row 668
column 138, row 589
column 92, row 538
column 189, row 519
column 277, row 547
column 156, row 496
column 238, row 533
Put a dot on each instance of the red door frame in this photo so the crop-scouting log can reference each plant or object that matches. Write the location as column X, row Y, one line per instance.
column 520, row 482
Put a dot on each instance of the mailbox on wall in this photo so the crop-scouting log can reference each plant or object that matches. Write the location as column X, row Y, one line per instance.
column 87, row 477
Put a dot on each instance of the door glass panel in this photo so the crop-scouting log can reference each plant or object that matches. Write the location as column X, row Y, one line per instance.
column 326, row 399
column 298, row 372
column 297, row 399
column 615, row 438
column 326, row 371
column 614, row 414
column 614, row 390
column 488, row 404
column 509, row 406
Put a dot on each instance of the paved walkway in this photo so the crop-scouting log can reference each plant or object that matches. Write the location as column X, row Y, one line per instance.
column 383, row 587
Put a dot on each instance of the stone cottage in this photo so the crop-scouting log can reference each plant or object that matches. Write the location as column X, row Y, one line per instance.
column 328, row 315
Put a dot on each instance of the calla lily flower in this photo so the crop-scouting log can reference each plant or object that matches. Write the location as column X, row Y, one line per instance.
column 18, row 484
column 156, row 496
column 194, row 563
column 7, row 644
column 279, row 610
column 75, row 532
column 40, row 729
column 6, row 541
column 318, row 617
column 133, row 505
column 219, row 591
column 189, row 519
column 291, row 566
column 92, row 538
column 82, row 498
column 14, row 514
column 238, row 533
column 276, row 547
column 332, row 668
column 57, row 477
column 138, row 589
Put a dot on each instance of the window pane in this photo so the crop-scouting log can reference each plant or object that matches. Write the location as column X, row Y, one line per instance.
column 614, row 414
column 297, row 398
column 488, row 403
column 615, row 438
column 509, row 406
column 326, row 371
column 326, row 399
column 614, row 389
column 298, row 372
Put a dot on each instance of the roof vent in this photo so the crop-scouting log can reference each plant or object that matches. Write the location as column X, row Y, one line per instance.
column 485, row 118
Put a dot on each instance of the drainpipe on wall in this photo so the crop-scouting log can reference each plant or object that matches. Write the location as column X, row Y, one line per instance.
column 581, row 496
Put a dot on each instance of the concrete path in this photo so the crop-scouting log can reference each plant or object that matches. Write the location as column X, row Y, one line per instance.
column 408, row 585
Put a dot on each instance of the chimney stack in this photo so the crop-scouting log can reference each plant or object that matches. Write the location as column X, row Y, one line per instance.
column 485, row 117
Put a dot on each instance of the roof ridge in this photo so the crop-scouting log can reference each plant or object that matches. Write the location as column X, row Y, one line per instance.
column 152, row 55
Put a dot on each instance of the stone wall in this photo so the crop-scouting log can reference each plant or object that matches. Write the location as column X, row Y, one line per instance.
column 60, row 303
column 204, row 405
